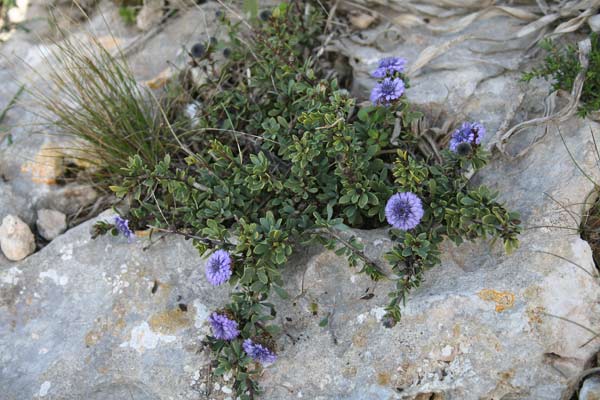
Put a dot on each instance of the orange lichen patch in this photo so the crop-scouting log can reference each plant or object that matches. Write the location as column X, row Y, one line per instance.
column 503, row 300
column 101, row 328
column 383, row 378
column 81, row 154
column 160, row 80
column 349, row 372
column 46, row 166
column 103, row 370
column 359, row 340
column 120, row 324
column 91, row 338
column 456, row 330
column 535, row 315
column 506, row 375
column 169, row 321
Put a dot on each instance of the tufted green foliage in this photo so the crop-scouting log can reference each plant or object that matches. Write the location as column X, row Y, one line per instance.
column 454, row 211
column 280, row 156
column 561, row 66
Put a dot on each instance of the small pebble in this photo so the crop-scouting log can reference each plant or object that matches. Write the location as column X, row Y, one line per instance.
column 16, row 239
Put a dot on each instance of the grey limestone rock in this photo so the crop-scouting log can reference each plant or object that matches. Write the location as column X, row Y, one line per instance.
column 51, row 223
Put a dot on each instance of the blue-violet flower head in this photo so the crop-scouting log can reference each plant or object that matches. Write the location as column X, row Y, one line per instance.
column 469, row 132
column 218, row 267
column 258, row 352
column 387, row 90
column 122, row 226
column 389, row 65
column 404, row 211
column 223, row 328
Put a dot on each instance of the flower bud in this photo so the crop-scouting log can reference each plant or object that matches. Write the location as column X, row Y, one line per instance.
column 198, row 50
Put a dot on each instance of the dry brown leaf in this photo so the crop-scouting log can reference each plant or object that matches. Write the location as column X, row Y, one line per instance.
column 562, row 115
column 464, row 3
column 457, row 25
column 518, row 13
column 434, row 51
column 537, row 25
column 408, row 20
column 361, row 20
column 573, row 24
column 464, row 22
column 434, row 11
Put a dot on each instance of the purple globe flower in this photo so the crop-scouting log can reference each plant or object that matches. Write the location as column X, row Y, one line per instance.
column 122, row 226
column 387, row 90
column 404, row 211
column 218, row 267
column 469, row 132
column 389, row 65
column 258, row 352
column 223, row 328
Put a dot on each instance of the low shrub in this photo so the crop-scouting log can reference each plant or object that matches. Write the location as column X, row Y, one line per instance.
column 278, row 155
column 561, row 66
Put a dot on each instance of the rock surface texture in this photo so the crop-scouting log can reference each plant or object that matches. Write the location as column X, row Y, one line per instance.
column 105, row 319
column 100, row 319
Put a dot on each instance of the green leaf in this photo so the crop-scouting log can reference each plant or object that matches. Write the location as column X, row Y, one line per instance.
column 364, row 199
column 248, row 277
column 273, row 329
column 363, row 113
column 324, row 322
column 257, row 286
column 280, row 257
column 261, row 248
column 489, row 219
column 281, row 292
column 467, row 201
column 119, row 191
column 262, row 276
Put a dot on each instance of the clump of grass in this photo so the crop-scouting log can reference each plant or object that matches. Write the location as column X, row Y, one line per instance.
column 6, row 109
column 590, row 231
column 589, row 227
column 561, row 66
column 96, row 99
